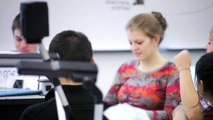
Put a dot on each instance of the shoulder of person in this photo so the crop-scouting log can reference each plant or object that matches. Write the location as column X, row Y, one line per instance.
column 169, row 68
column 128, row 67
column 33, row 109
column 171, row 64
column 130, row 63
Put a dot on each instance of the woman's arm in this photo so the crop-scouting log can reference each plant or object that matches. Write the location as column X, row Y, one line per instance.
column 172, row 97
column 179, row 113
column 111, row 97
column 189, row 96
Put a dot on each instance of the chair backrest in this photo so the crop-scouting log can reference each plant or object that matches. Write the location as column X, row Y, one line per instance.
column 87, row 111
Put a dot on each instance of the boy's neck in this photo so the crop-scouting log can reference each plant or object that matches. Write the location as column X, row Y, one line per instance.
column 65, row 81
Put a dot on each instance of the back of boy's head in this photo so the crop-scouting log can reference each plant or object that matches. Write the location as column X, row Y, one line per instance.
column 72, row 46
column 204, row 72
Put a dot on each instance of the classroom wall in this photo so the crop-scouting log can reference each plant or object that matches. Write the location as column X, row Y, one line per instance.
column 107, row 61
column 103, row 21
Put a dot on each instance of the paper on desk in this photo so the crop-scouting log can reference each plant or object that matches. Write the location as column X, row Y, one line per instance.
column 125, row 111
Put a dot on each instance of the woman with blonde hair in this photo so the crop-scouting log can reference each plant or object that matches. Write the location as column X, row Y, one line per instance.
column 149, row 82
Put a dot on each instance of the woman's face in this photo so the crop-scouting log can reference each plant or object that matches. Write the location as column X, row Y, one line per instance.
column 142, row 46
column 209, row 46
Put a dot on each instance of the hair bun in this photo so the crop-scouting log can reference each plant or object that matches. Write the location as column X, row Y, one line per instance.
column 161, row 19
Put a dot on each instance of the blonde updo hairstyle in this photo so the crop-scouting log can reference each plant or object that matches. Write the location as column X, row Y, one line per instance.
column 151, row 24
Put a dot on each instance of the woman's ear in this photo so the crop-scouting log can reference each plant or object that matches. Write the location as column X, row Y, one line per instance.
column 200, row 86
column 156, row 40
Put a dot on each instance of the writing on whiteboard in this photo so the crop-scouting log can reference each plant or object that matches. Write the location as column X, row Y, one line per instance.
column 7, row 73
column 8, row 76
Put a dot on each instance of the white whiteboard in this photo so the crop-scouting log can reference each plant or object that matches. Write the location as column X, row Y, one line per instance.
column 104, row 21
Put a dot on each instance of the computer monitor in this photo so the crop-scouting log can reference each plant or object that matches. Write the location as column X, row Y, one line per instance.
column 9, row 77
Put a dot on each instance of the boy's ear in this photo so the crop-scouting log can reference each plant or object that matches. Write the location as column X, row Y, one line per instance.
column 201, row 85
column 93, row 61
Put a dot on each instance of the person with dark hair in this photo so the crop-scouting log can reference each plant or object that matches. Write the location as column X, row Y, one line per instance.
column 76, row 46
column 150, row 82
column 190, row 108
column 71, row 46
column 21, row 47
column 20, row 42
column 204, row 72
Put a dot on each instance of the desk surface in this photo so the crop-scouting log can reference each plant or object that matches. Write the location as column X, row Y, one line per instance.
column 24, row 97
column 5, row 92
column 21, row 100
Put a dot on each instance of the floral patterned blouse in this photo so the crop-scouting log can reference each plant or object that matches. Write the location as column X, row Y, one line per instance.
column 157, row 91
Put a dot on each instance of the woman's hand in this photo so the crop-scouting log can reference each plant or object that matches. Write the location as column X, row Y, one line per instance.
column 182, row 60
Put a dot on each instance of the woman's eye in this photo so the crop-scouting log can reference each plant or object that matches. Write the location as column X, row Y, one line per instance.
column 209, row 43
column 139, row 43
column 18, row 39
